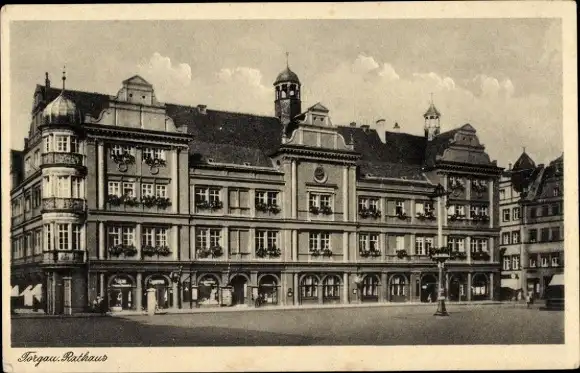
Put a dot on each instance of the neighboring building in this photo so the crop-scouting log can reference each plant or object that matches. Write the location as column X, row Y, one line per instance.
column 115, row 194
column 532, row 225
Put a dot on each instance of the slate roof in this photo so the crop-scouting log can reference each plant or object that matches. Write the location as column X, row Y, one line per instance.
column 437, row 146
column 432, row 111
column 87, row 102
column 545, row 179
column 524, row 162
column 287, row 76
column 400, row 156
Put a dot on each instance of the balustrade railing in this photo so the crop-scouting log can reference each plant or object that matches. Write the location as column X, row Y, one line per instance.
column 63, row 204
column 68, row 159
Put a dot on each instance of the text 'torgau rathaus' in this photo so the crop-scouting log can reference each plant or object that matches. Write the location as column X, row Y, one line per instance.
column 115, row 194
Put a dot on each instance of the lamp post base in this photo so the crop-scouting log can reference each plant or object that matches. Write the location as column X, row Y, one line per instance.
column 441, row 311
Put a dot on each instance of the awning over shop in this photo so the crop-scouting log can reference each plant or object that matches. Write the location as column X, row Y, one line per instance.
column 26, row 290
column 15, row 291
column 557, row 280
column 511, row 283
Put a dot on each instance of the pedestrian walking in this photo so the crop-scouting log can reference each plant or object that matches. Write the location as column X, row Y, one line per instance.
column 529, row 299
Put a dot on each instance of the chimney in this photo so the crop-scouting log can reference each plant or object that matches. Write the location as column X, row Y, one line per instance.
column 46, row 80
column 202, row 109
column 380, row 122
column 509, row 166
column 365, row 128
column 25, row 142
column 396, row 128
column 353, row 124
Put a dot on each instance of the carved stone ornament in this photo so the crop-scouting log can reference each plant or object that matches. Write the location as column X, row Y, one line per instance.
column 320, row 175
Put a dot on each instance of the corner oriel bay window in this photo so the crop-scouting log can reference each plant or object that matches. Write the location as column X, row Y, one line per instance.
column 68, row 237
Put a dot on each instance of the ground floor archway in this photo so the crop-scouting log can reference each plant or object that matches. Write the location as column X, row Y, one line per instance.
column 370, row 288
column 240, row 292
column 208, row 290
column 457, row 287
column 428, row 289
column 121, row 292
column 331, row 289
column 268, row 289
column 163, row 290
column 309, row 289
column 479, row 287
column 398, row 288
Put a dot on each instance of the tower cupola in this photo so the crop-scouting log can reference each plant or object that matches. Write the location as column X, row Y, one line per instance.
column 432, row 121
column 287, row 102
column 61, row 110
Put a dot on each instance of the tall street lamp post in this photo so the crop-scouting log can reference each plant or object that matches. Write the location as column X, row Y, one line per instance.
column 441, row 253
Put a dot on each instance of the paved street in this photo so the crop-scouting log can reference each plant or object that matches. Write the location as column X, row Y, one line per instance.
column 389, row 325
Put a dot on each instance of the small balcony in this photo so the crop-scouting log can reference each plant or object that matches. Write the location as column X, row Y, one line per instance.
column 63, row 159
column 64, row 257
column 57, row 204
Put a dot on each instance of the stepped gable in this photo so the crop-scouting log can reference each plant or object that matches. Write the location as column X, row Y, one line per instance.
column 400, row 157
column 227, row 137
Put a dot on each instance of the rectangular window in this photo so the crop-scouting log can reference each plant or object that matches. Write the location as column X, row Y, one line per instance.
column 318, row 241
column 545, row 260
column 516, row 237
column 146, row 190
column 532, row 261
column 556, row 191
column 62, row 236
column 161, row 191
column 515, row 262
column 325, row 241
column 215, row 237
column 46, row 187
column 27, row 202
column 506, row 263
column 399, row 207
column 319, row 200
column 368, row 242
column 545, row 234
column 201, row 194
column 161, row 237
column 456, row 244
column 38, row 241
column 516, row 213
column 545, row 210
column 74, row 145
column 502, row 194
column 76, row 186
column 533, row 212
column 556, row 209
column 47, row 237
column 324, row 200
column 114, row 236
column 272, row 237
column 506, row 214
column 122, row 149
column 214, row 195
column 128, row 236
column 148, row 236
column 47, row 144
column 555, row 260
column 505, row 238
column 556, row 234
column 114, row 188
column 266, row 198
column 63, row 186
column 419, row 245
column 76, row 237
column 61, row 144
column 129, row 189
column 201, row 238
column 153, row 153
column 478, row 245
column 400, row 242
column 260, row 239
column 532, row 235
column 313, row 241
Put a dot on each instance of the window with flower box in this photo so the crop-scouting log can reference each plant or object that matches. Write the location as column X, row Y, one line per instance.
column 400, row 208
column 479, row 212
column 267, row 201
column 456, row 212
column 117, row 150
column 129, row 189
column 456, row 244
column 478, row 245
column 208, row 238
column 267, row 243
column 161, row 190
column 423, row 245
column 455, row 182
column 368, row 207
column 320, row 203
column 208, row 198
column 368, row 244
column 319, row 243
column 114, row 188
column 153, row 153
column 424, row 210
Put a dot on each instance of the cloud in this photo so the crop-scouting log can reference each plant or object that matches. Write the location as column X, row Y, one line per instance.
column 364, row 64
column 388, row 72
column 242, row 75
column 492, row 88
column 168, row 79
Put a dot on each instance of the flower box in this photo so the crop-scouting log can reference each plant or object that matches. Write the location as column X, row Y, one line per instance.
column 264, row 207
column 326, row 210
column 401, row 254
column 327, row 252
column 162, row 250
column 206, row 205
column 114, row 200
column 130, row 201
column 148, row 250
column 263, row 252
column 124, row 158
column 127, row 250
column 480, row 255
column 370, row 253
column 213, row 251
column 315, row 252
column 369, row 213
column 154, row 162
column 455, row 217
column 402, row 216
column 314, row 210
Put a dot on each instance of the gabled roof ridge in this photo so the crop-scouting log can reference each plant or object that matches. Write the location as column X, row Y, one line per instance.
column 223, row 111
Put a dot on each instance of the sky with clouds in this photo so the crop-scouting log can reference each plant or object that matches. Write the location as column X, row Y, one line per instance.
column 503, row 76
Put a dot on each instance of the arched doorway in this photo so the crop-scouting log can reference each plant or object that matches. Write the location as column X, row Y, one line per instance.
column 239, row 289
column 398, row 288
column 162, row 291
column 479, row 287
column 309, row 289
column 457, row 287
column 268, row 288
column 331, row 285
column 428, row 288
column 208, row 290
column 120, row 292
column 370, row 288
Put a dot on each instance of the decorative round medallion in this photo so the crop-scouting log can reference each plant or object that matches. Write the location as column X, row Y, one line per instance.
column 320, row 175
column 456, row 192
column 123, row 167
column 154, row 170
